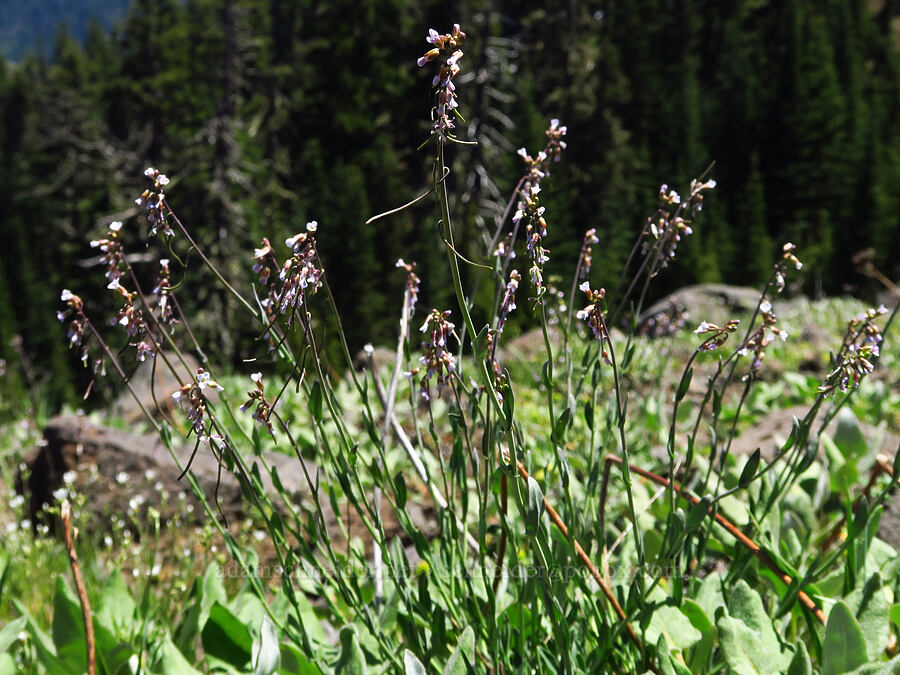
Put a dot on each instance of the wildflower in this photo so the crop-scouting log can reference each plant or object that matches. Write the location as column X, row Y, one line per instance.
column 412, row 283
column 529, row 209
column 717, row 335
column 590, row 238
column 668, row 225
column 762, row 337
column 507, row 306
column 78, row 324
column 438, row 360
column 787, row 257
column 257, row 397
column 860, row 346
column 191, row 397
column 592, row 314
column 162, row 291
column 300, row 275
column 204, row 381
column 445, row 89
column 154, row 203
column 265, row 261
column 508, row 303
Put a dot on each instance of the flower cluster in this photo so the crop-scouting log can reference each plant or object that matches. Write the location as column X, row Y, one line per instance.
column 444, row 45
column 590, row 238
column 861, row 344
column 162, row 291
column 412, row 283
column 762, row 337
column 529, row 209
column 555, row 142
column 593, row 315
column 78, row 333
column 154, row 202
column 716, row 335
column 787, row 258
column 193, row 400
column 265, row 261
column 257, row 397
column 669, row 224
column 298, row 276
column 438, row 360
column 508, row 303
column 113, row 255
column 507, row 306
column 75, row 310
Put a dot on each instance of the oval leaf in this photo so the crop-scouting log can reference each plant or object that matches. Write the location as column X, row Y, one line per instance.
column 844, row 647
column 750, row 468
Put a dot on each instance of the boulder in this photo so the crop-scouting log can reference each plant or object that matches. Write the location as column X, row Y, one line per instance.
column 687, row 307
column 153, row 383
column 123, row 475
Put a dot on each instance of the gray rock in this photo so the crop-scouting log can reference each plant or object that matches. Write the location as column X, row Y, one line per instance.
column 124, row 474
column 687, row 307
column 154, row 385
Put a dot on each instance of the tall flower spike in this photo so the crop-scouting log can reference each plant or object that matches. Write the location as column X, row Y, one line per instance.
column 529, row 209
column 446, row 47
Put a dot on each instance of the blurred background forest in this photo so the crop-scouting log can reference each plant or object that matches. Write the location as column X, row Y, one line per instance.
column 270, row 113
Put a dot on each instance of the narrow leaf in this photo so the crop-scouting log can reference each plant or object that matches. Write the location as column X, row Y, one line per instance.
column 535, row 507
column 684, row 385
column 750, row 468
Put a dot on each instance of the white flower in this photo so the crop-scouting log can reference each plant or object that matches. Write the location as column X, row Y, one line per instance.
column 256, row 377
column 60, row 494
column 69, row 477
column 585, row 286
column 312, row 226
column 66, row 295
column 115, row 226
column 162, row 179
column 121, row 477
column 702, row 328
column 149, row 171
column 765, row 307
